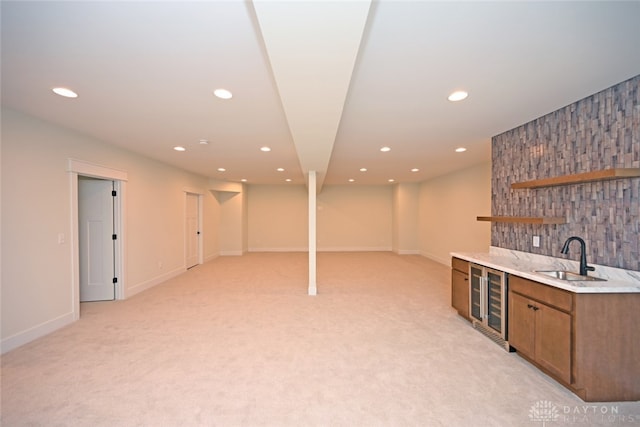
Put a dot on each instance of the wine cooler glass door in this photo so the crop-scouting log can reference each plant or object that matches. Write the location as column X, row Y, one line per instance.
column 475, row 304
column 495, row 299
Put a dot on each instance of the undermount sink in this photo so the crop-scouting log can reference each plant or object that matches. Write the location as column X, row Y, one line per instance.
column 568, row 275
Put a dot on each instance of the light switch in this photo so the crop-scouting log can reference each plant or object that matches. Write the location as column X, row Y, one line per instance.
column 536, row 241
column 60, row 238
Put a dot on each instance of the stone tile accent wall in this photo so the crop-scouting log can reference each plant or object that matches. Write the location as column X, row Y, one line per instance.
column 599, row 132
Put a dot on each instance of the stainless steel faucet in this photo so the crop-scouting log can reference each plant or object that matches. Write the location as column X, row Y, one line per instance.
column 584, row 268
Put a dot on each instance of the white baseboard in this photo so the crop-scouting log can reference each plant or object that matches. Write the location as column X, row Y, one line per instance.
column 129, row 292
column 303, row 249
column 407, row 252
column 355, row 249
column 231, row 253
column 328, row 249
column 445, row 261
column 38, row 331
column 211, row 257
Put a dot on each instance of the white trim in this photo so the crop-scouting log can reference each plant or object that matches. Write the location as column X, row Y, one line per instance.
column 356, row 249
column 407, row 251
column 82, row 167
column 437, row 259
column 231, row 253
column 120, row 223
column 36, row 332
column 210, row 258
column 147, row 284
column 79, row 167
column 334, row 249
column 193, row 190
column 299, row 249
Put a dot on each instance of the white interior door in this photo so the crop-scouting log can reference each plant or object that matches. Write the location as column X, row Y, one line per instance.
column 96, row 243
column 192, row 230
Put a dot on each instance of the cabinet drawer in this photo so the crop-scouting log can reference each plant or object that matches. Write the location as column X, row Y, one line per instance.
column 540, row 292
column 460, row 265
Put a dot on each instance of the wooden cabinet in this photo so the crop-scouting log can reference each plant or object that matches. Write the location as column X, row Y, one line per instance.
column 542, row 334
column 590, row 342
column 460, row 286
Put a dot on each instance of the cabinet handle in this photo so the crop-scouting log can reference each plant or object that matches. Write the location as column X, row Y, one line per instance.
column 533, row 307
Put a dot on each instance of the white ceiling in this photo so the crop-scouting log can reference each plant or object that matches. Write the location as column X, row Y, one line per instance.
column 325, row 85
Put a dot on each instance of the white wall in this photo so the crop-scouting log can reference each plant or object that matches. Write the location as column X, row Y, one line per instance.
column 448, row 207
column 36, row 209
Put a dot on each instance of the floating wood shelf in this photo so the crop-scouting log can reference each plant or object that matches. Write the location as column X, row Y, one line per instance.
column 579, row 178
column 523, row 219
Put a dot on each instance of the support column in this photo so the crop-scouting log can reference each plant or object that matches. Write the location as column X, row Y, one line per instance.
column 312, row 232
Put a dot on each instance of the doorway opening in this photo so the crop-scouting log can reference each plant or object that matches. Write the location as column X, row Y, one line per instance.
column 85, row 172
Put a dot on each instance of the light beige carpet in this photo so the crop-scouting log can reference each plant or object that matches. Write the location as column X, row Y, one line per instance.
column 237, row 342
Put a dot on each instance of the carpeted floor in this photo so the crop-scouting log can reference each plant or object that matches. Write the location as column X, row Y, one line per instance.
column 238, row 342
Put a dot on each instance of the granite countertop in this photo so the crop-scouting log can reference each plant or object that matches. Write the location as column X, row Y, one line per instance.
column 523, row 267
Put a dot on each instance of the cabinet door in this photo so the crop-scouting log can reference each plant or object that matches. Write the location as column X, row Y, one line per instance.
column 460, row 292
column 553, row 341
column 521, row 325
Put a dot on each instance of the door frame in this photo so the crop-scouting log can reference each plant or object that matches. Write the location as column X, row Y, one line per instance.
column 79, row 167
column 200, row 210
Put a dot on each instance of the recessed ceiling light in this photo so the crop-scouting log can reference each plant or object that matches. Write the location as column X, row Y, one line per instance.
column 351, row 180
column 280, row 169
column 458, row 95
column 288, row 179
column 363, row 169
column 244, row 180
column 203, row 142
column 415, row 170
column 63, row 91
column 460, row 150
column 391, row 180
column 223, row 94
column 179, row 148
column 385, row 149
column 265, row 149
column 222, row 170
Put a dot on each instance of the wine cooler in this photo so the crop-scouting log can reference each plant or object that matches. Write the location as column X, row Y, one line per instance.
column 488, row 302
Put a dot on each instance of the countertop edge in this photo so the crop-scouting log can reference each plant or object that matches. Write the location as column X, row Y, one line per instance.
column 516, row 267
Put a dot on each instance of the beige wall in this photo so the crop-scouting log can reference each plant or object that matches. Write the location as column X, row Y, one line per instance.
column 448, row 207
column 277, row 218
column 36, row 209
column 405, row 218
column 348, row 218
column 354, row 218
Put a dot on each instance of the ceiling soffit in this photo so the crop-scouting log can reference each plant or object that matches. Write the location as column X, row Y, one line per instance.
column 312, row 48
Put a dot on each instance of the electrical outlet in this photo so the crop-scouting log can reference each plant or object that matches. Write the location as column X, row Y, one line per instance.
column 536, row 241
